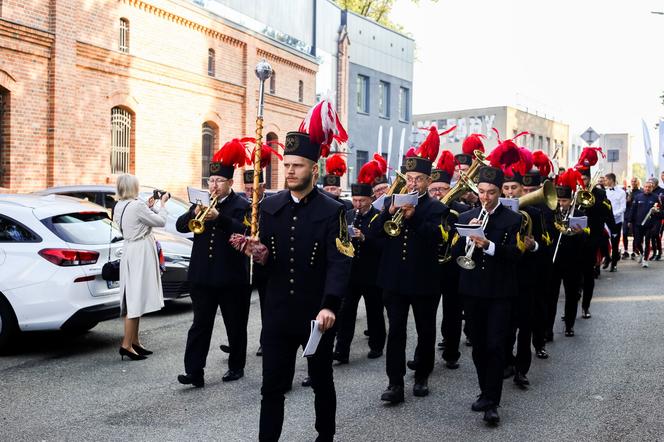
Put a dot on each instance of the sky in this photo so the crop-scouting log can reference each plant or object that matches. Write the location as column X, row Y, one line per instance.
column 596, row 63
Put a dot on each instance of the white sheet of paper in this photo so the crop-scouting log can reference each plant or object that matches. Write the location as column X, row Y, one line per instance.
column 401, row 200
column 379, row 203
column 578, row 221
column 470, row 229
column 510, row 203
column 198, row 196
column 314, row 339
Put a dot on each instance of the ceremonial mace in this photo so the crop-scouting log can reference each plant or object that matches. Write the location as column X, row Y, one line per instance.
column 263, row 72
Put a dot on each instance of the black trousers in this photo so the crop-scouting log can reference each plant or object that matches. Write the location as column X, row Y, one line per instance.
column 639, row 236
column 424, row 312
column 450, row 326
column 522, row 318
column 615, row 244
column 348, row 315
column 233, row 301
column 279, row 354
column 625, row 235
column 588, row 269
column 571, row 280
column 489, row 326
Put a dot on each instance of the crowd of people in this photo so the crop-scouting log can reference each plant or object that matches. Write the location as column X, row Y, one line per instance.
column 492, row 235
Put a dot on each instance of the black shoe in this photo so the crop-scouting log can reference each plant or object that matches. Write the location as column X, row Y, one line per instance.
column 633, row 256
column 341, row 359
column 259, row 352
column 306, row 382
column 187, row 379
column 569, row 332
column 508, row 372
column 141, row 350
column 542, row 353
column 625, row 255
column 452, row 365
column 605, row 264
column 491, row 416
column 412, row 365
column 373, row 354
column 613, row 269
column 586, row 314
column 481, row 404
column 521, row 380
column 658, row 257
column 421, row 387
column 232, row 375
column 225, row 348
column 366, row 333
column 652, row 258
column 131, row 355
column 393, row 394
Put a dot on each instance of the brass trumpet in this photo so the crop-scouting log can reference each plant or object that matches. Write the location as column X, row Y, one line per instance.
column 197, row 224
column 466, row 261
column 393, row 226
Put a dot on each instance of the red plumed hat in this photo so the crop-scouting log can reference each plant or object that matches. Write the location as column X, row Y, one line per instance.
column 570, row 178
column 335, row 165
column 429, row 148
column 542, row 162
column 589, row 157
column 472, row 143
column 446, row 162
column 382, row 163
column 506, row 154
column 368, row 173
column 231, row 155
column 323, row 126
column 266, row 153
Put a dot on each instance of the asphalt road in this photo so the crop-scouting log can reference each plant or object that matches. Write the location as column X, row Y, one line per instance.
column 606, row 383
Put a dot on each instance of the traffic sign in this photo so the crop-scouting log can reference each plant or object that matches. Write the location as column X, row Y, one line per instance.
column 590, row 136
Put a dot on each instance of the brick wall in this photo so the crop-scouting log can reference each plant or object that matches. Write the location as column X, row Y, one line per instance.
column 66, row 75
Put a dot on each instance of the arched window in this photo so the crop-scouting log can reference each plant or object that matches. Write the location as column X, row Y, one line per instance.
column 271, row 139
column 124, row 35
column 4, row 137
column 208, row 144
column 121, row 140
column 211, row 62
column 273, row 83
column 300, row 91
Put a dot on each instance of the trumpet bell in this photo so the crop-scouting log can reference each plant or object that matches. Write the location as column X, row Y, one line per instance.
column 465, row 262
column 585, row 199
column 544, row 195
column 196, row 226
column 392, row 228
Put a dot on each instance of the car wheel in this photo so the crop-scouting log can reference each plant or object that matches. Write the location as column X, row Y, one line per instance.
column 8, row 325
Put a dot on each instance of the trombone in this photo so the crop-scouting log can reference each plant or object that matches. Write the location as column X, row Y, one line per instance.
column 466, row 261
column 197, row 224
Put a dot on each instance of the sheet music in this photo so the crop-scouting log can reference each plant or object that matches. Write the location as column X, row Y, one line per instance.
column 401, row 200
column 198, row 196
column 578, row 221
column 379, row 203
column 510, row 203
column 314, row 339
column 470, row 229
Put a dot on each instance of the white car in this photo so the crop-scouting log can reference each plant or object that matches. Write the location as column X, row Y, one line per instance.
column 52, row 249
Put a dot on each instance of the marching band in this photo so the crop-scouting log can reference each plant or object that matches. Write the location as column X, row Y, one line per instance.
column 491, row 234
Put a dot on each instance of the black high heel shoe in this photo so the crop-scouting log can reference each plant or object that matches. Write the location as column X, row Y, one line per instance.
column 131, row 355
column 141, row 350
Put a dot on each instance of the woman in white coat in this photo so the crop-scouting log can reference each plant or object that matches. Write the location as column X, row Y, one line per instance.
column 140, row 277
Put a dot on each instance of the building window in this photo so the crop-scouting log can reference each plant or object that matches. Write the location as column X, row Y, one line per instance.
column 361, row 157
column 211, row 59
column 300, row 91
column 273, row 83
column 208, row 144
column 124, row 35
column 404, row 111
column 4, row 137
column 121, row 140
column 547, row 146
column 540, row 142
column 384, row 99
column 363, row 94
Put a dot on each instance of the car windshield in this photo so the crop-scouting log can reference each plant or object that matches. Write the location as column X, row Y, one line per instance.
column 175, row 205
column 84, row 228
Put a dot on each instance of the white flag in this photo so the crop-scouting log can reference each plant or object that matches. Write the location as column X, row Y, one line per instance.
column 661, row 152
column 650, row 164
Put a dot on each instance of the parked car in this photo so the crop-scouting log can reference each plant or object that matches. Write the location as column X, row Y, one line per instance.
column 52, row 250
column 104, row 195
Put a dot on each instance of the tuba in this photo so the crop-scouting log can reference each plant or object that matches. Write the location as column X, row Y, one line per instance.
column 545, row 195
column 197, row 224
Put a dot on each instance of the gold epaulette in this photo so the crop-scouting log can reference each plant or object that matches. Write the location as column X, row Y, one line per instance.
column 521, row 245
column 246, row 221
column 455, row 238
column 443, row 233
column 607, row 204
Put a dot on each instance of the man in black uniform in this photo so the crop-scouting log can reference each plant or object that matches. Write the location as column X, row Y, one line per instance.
column 525, row 307
column 367, row 242
column 307, row 276
column 489, row 287
column 218, row 274
column 641, row 205
column 407, row 275
column 335, row 166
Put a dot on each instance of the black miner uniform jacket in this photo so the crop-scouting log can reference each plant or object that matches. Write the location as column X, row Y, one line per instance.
column 306, row 271
column 364, row 270
column 493, row 276
column 532, row 262
column 409, row 263
column 214, row 262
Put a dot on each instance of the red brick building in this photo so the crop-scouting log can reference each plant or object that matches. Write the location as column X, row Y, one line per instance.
column 93, row 88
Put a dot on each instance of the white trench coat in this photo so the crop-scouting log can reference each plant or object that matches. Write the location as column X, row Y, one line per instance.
column 140, row 278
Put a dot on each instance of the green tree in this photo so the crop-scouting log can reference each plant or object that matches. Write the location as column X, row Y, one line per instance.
column 376, row 10
column 639, row 171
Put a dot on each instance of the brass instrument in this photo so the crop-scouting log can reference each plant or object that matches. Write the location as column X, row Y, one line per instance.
column 344, row 245
column 393, row 226
column 653, row 209
column 466, row 261
column 544, row 195
column 197, row 224
column 585, row 197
